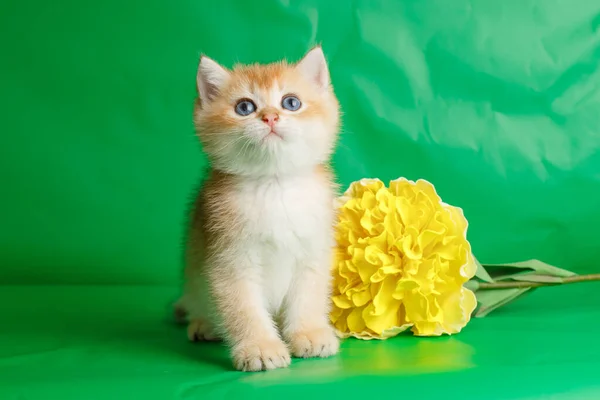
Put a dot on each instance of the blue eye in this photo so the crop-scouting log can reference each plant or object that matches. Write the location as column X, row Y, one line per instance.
column 291, row 103
column 245, row 107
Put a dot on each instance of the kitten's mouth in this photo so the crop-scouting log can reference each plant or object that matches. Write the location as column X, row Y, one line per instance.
column 274, row 133
column 271, row 135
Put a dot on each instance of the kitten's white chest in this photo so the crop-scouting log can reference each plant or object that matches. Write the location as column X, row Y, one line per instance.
column 285, row 212
column 288, row 222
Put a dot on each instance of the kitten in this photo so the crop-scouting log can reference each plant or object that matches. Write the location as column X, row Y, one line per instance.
column 260, row 241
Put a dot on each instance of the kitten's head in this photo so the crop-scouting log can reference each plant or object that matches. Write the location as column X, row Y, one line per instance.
column 267, row 119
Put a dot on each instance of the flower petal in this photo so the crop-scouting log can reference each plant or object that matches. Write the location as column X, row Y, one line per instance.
column 355, row 320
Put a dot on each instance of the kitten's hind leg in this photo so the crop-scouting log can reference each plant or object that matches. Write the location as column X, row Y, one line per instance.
column 200, row 330
column 194, row 308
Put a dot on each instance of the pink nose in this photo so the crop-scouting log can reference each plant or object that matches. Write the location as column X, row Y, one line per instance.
column 270, row 119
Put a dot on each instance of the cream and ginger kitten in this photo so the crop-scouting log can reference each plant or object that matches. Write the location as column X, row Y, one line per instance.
column 260, row 241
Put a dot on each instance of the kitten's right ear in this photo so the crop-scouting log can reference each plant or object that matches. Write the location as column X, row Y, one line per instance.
column 210, row 78
column 314, row 66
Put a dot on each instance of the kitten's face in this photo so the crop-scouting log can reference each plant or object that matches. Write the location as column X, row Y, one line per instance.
column 267, row 119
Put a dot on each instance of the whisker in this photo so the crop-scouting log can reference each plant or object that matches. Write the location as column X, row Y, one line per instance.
column 243, row 149
column 230, row 143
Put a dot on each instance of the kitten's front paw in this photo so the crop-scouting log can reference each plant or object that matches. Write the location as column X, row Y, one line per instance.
column 316, row 343
column 261, row 355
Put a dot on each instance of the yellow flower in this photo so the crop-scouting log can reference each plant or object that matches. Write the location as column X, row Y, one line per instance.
column 401, row 261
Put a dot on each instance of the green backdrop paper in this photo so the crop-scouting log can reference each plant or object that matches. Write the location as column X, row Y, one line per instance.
column 496, row 103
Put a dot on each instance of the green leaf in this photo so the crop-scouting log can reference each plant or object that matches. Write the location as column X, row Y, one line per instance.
column 481, row 273
column 490, row 300
column 542, row 268
column 530, row 270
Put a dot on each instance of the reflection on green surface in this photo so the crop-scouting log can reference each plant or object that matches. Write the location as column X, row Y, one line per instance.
column 400, row 356
column 408, row 356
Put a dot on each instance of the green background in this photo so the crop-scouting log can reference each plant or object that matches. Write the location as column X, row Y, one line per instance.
column 497, row 103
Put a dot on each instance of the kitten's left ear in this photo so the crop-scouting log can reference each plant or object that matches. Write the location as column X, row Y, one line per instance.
column 314, row 67
column 210, row 79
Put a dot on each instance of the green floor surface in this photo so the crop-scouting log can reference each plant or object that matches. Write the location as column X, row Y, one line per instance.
column 101, row 342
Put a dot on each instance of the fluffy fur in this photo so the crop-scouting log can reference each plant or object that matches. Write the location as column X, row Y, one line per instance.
column 261, row 232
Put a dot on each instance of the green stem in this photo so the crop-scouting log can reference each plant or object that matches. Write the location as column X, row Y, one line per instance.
column 519, row 284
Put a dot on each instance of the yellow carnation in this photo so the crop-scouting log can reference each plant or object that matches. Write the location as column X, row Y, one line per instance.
column 401, row 261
